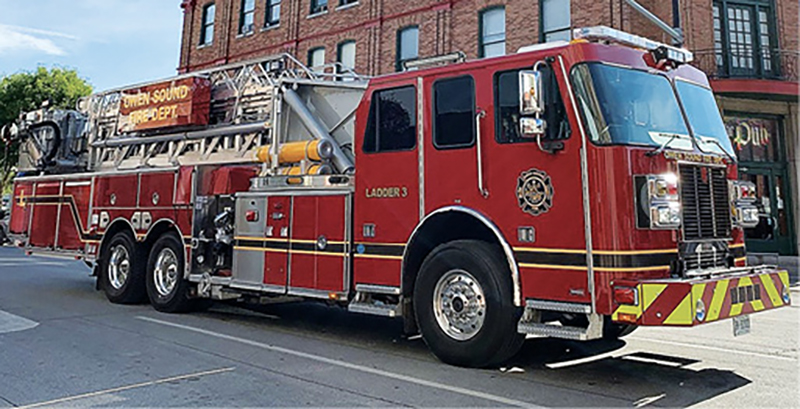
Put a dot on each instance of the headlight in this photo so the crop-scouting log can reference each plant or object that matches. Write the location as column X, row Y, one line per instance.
column 700, row 310
column 743, row 196
column 665, row 216
column 663, row 187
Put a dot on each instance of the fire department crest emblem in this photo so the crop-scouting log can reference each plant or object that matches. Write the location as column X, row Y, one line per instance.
column 534, row 192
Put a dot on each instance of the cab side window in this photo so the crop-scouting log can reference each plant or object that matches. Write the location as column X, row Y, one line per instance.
column 454, row 113
column 506, row 112
column 392, row 122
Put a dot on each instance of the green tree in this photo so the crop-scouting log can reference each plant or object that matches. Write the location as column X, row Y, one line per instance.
column 27, row 91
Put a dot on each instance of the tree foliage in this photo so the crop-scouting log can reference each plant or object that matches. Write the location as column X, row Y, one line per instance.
column 26, row 91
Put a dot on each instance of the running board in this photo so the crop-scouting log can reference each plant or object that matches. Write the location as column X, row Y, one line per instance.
column 531, row 321
column 383, row 310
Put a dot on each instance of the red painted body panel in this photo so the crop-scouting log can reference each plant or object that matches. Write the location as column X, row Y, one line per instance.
column 20, row 210
column 74, row 214
column 43, row 219
column 315, row 217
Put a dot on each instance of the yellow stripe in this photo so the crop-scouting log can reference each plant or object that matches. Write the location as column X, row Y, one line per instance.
column 315, row 242
column 630, row 269
column 736, row 260
column 715, row 308
column 649, row 293
column 627, row 309
column 263, row 250
column 736, row 309
column 733, row 246
column 772, row 292
column 379, row 256
column 282, row 239
column 543, row 250
column 634, row 252
column 366, row 243
column 784, row 275
column 553, row 266
column 682, row 314
column 316, row 253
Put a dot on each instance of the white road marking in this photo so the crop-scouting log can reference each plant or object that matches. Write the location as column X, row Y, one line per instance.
column 580, row 361
column 13, row 323
column 126, row 388
column 33, row 263
column 648, row 400
column 348, row 365
column 710, row 348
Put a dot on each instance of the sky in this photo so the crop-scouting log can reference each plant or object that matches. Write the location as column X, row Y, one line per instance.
column 111, row 43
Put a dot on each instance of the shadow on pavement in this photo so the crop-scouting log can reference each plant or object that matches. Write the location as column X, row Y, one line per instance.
column 639, row 377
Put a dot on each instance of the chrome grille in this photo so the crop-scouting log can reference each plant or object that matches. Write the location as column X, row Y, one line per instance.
column 706, row 206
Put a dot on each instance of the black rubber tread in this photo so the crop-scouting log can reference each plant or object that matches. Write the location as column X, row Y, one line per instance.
column 133, row 291
column 178, row 300
column 498, row 340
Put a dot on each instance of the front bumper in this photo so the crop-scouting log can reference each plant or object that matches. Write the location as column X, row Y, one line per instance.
column 694, row 301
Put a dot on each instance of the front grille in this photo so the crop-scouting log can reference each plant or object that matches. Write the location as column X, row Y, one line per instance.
column 702, row 261
column 706, row 206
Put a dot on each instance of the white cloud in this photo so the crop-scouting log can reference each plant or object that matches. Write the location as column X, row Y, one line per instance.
column 14, row 38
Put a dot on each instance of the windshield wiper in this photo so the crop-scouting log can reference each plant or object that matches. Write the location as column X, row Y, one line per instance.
column 663, row 146
column 722, row 148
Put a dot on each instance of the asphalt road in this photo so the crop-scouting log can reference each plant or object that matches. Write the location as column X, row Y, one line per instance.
column 63, row 344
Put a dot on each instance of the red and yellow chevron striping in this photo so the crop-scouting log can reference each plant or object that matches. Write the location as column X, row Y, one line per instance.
column 670, row 302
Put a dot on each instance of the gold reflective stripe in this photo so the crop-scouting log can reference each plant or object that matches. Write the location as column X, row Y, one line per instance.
column 772, row 292
column 784, row 275
column 649, row 294
column 720, row 291
column 552, row 266
column 682, row 314
column 378, row 256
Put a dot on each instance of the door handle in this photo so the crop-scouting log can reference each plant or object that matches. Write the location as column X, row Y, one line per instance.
column 478, row 116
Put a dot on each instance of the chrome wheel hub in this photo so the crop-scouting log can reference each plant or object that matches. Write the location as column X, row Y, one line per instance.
column 166, row 272
column 459, row 305
column 119, row 266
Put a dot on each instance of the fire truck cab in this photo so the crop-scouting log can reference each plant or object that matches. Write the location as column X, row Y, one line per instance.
column 573, row 190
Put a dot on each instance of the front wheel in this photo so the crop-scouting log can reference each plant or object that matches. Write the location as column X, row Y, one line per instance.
column 463, row 298
column 167, row 289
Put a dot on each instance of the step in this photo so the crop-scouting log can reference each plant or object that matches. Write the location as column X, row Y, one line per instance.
column 383, row 310
column 555, row 331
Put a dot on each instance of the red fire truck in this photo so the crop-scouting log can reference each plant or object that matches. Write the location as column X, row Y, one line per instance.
column 574, row 190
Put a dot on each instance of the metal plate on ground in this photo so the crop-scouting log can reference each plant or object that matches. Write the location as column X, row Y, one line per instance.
column 741, row 325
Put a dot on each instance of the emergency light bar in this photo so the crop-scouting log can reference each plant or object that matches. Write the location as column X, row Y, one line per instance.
column 660, row 50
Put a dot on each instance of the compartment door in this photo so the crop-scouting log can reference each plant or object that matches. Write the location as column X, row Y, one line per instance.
column 248, row 252
column 319, row 250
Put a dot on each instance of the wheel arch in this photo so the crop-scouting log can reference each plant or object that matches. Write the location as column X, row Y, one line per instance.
column 448, row 224
column 119, row 224
column 158, row 229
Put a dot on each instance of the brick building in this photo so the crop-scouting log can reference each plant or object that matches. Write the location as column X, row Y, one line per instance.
column 748, row 47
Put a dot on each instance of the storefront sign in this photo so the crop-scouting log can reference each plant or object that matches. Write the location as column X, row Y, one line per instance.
column 164, row 105
column 753, row 138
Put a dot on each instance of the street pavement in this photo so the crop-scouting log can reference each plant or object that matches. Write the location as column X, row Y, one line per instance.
column 62, row 344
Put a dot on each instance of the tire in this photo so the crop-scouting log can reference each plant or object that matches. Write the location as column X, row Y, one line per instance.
column 457, row 326
column 121, row 272
column 167, row 289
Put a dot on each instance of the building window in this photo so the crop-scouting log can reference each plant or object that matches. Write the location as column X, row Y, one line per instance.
column 407, row 45
column 346, row 2
column 556, row 22
column 207, row 34
column 246, row 16
column 316, row 57
column 346, row 57
column 744, row 39
column 273, row 17
column 318, row 6
column 392, row 122
column 454, row 113
column 493, row 32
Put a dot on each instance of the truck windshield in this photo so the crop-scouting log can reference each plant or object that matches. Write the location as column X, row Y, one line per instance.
column 704, row 118
column 629, row 107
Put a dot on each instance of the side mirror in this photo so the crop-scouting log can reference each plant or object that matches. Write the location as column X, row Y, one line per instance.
column 530, row 92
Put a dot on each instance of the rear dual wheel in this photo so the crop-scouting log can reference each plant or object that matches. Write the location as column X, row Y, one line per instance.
column 122, row 270
column 463, row 300
column 166, row 287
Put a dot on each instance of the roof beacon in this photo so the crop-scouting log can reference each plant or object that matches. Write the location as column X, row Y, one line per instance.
column 660, row 51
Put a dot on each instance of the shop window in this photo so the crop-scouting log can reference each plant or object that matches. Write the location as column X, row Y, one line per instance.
column 273, row 17
column 454, row 113
column 754, row 139
column 407, row 45
column 392, row 122
column 246, row 16
column 207, row 34
column 318, row 6
column 493, row 32
column 555, row 22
